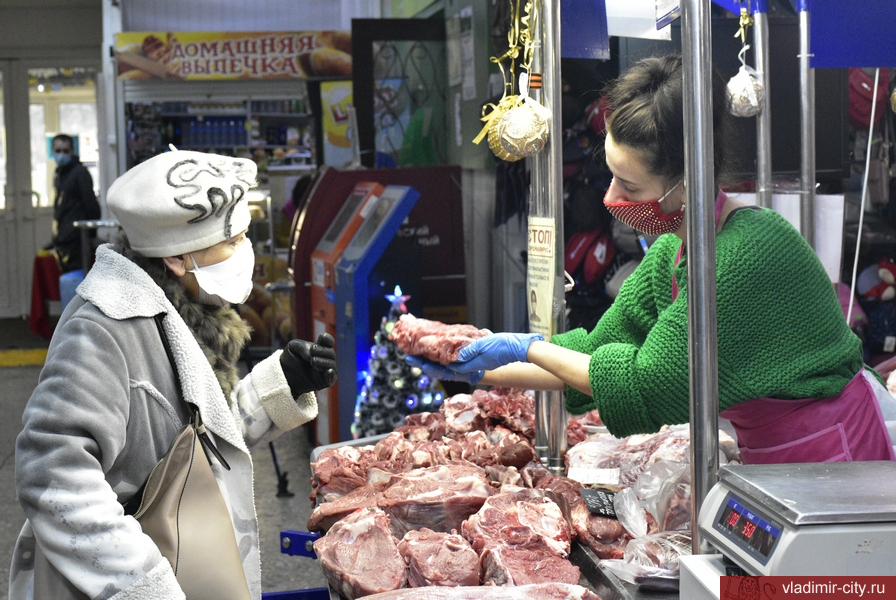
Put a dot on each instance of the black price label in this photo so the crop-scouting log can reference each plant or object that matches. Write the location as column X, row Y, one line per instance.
column 599, row 502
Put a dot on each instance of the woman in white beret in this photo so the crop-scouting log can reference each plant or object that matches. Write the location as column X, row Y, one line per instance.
column 111, row 399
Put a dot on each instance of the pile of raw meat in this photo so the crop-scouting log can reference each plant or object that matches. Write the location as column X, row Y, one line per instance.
column 436, row 341
column 459, row 499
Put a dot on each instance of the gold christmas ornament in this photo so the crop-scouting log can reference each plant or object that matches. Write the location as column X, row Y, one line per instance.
column 492, row 121
column 516, row 126
column 523, row 130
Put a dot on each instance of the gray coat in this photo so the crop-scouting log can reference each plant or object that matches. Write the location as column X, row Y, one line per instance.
column 105, row 411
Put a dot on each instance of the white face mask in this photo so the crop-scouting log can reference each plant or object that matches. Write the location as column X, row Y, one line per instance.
column 229, row 280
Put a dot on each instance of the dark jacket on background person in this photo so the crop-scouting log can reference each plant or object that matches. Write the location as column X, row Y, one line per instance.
column 75, row 201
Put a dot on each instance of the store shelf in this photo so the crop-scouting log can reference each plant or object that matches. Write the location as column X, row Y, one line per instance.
column 282, row 115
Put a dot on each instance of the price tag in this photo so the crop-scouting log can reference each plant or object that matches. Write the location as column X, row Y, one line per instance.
column 599, row 502
column 590, row 476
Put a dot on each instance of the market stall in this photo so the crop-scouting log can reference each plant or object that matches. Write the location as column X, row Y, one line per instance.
column 664, row 502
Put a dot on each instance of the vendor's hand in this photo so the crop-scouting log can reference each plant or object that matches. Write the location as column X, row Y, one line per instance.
column 494, row 350
column 443, row 373
column 309, row 367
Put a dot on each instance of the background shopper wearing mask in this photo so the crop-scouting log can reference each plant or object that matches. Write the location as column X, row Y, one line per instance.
column 75, row 201
column 791, row 377
column 109, row 403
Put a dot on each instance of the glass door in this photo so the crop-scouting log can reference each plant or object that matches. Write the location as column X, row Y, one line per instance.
column 37, row 102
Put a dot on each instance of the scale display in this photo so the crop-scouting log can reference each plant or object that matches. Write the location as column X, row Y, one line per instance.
column 747, row 529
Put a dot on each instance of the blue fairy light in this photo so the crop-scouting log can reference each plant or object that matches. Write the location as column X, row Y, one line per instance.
column 412, row 401
column 423, row 382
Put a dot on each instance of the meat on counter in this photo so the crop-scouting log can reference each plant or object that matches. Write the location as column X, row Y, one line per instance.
column 537, row 591
column 438, row 558
column 359, row 556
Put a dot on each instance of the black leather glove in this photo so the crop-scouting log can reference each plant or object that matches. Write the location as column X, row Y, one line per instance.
column 309, row 367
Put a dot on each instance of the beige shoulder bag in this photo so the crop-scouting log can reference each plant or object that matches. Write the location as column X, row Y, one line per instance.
column 181, row 508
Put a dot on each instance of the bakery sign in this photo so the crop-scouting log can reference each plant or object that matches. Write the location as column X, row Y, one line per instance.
column 233, row 55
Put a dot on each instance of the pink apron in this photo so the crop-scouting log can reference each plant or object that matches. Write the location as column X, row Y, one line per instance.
column 847, row 427
column 843, row 428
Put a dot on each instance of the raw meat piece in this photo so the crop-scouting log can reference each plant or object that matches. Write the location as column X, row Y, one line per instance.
column 438, row 498
column 325, row 515
column 438, row 558
column 337, row 471
column 513, row 565
column 538, row 591
column 677, row 517
column 423, row 426
column 512, row 408
column 515, row 517
column 576, row 431
column 462, row 415
column 605, row 536
column 436, row 341
column 359, row 556
column 504, row 448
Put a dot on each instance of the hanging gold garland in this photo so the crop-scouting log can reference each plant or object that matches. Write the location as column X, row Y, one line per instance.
column 517, row 126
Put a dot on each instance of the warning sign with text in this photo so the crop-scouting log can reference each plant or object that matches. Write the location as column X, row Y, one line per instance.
column 540, row 276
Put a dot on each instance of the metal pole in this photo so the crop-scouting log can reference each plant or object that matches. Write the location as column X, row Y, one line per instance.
column 807, row 132
column 764, row 118
column 701, row 251
column 546, row 200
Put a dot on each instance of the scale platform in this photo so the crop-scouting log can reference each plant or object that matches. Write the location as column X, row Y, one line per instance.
column 804, row 519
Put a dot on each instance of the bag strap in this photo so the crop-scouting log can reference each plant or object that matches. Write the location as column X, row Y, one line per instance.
column 195, row 420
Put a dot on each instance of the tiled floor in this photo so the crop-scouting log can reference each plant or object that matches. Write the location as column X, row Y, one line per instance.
column 280, row 572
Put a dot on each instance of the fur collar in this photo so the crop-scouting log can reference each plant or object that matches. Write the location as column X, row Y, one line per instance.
column 121, row 289
column 219, row 330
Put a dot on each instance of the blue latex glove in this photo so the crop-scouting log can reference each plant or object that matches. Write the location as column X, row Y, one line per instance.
column 443, row 373
column 494, row 350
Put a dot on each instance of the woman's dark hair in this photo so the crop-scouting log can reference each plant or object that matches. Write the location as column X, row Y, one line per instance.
column 647, row 115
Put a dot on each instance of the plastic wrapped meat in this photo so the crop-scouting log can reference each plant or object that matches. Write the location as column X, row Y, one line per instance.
column 436, row 341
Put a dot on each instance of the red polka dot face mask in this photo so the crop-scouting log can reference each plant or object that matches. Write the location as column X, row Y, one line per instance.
column 647, row 217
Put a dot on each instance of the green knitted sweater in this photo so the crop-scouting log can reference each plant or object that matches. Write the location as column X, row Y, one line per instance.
column 781, row 330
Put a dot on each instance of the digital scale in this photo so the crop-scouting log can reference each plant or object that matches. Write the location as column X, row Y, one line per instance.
column 796, row 519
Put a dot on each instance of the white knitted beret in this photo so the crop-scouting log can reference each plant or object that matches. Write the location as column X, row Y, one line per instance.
column 182, row 201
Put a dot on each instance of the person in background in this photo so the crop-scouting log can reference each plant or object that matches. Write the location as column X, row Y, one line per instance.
column 75, row 201
column 109, row 400
column 791, row 375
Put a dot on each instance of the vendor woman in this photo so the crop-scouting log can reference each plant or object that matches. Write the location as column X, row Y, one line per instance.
column 791, row 376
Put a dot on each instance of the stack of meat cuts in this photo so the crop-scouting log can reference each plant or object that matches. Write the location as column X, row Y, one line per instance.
column 521, row 537
column 535, row 591
column 436, row 341
column 449, row 490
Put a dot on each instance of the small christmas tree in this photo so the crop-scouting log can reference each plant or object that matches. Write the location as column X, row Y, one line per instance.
column 392, row 388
